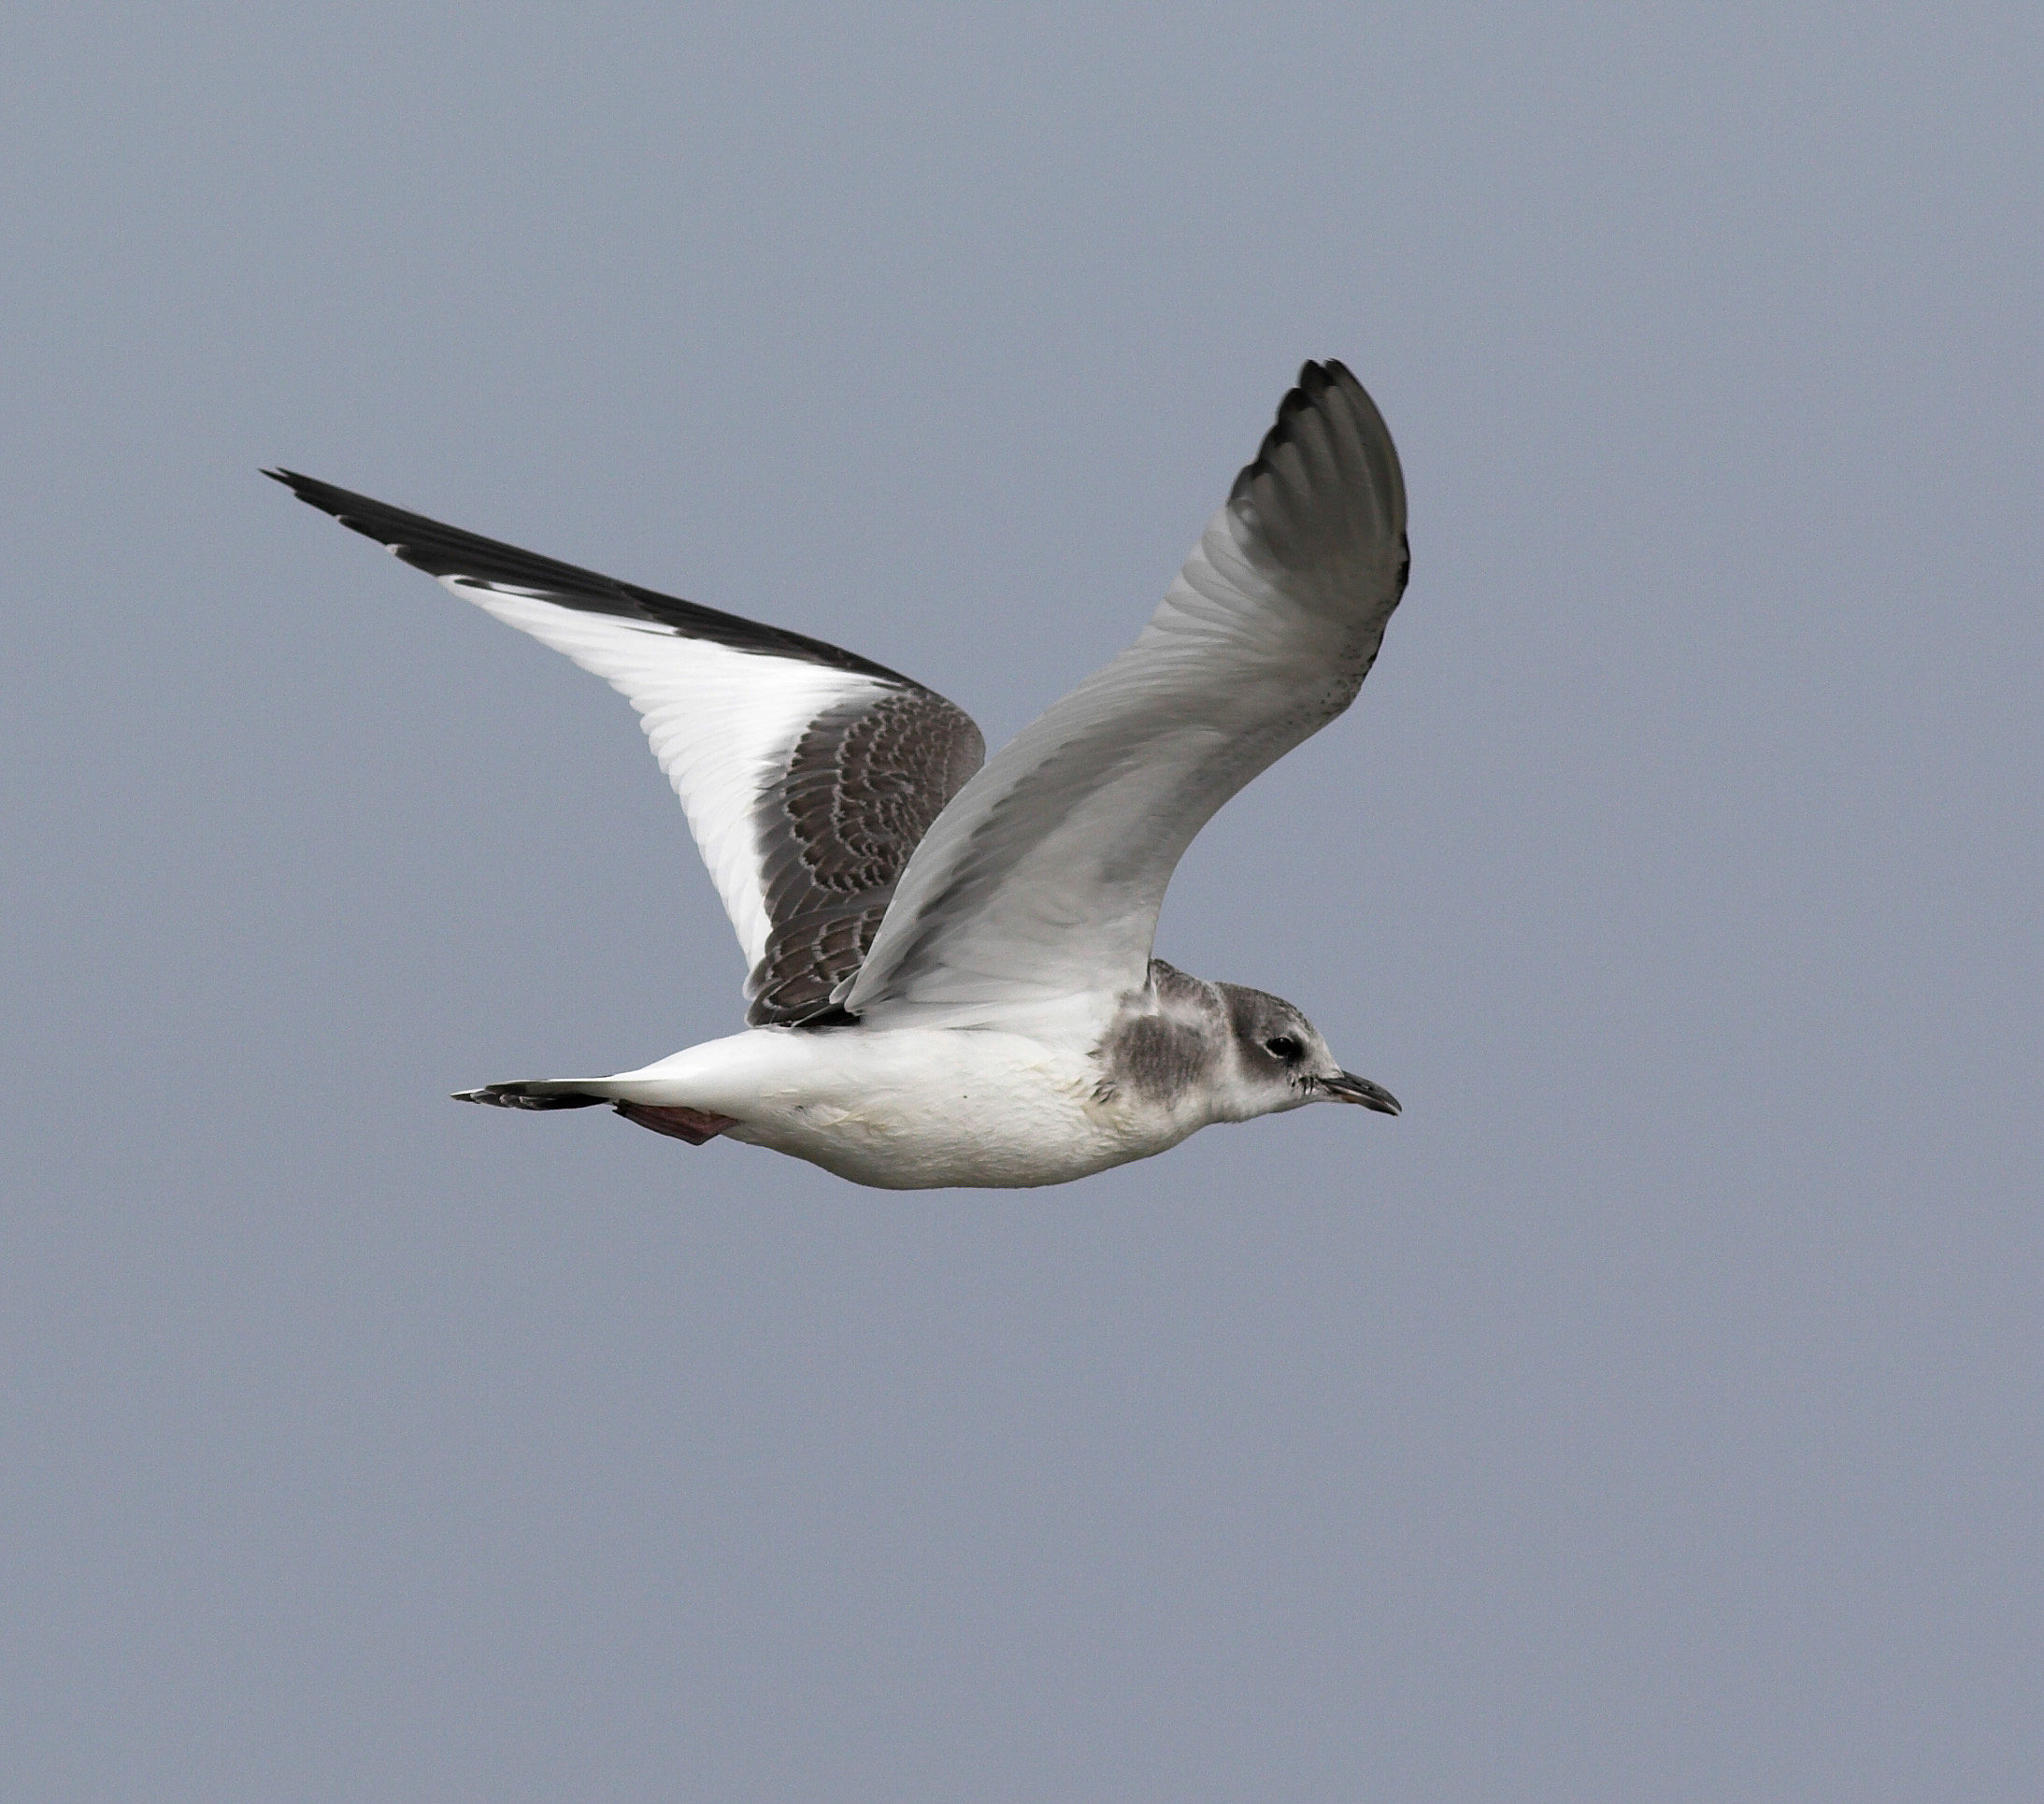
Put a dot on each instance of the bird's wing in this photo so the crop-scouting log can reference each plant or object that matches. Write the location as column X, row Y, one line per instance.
column 1043, row 878
column 807, row 773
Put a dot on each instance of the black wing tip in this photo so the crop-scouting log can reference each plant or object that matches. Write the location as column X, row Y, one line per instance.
column 357, row 512
column 307, row 488
column 1317, row 381
column 312, row 492
column 1329, row 372
column 443, row 551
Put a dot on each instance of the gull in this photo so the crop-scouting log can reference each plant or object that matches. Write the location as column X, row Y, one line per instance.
column 952, row 974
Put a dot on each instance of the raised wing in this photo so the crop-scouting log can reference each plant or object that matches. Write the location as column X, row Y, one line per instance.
column 809, row 774
column 1043, row 879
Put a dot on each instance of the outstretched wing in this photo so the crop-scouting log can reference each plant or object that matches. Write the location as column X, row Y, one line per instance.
column 809, row 774
column 1043, row 879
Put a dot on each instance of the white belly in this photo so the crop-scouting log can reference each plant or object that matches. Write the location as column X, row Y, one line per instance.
column 914, row 1108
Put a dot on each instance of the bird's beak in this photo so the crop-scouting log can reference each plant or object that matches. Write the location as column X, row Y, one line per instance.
column 1348, row 1087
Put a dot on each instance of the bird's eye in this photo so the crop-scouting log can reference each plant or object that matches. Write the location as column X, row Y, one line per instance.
column 1284, row 1047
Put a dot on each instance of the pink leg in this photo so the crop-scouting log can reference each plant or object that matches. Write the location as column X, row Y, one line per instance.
column 694, row 1126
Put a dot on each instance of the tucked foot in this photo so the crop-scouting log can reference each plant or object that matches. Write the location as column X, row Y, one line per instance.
column 694, row 1126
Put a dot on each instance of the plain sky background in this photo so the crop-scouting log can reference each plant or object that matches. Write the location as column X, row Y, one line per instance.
column 1652, row 1412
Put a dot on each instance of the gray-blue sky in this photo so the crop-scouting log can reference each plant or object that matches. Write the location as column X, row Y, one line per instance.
column 1650, row 1412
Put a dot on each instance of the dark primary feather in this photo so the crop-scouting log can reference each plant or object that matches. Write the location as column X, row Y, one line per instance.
column 443, row 551
column 1277, row 483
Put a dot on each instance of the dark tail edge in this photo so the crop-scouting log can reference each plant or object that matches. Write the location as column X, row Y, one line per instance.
column 540, row 1094
column 694, row 1126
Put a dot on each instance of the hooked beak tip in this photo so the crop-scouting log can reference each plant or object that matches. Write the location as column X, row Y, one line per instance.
column 1348, row 1087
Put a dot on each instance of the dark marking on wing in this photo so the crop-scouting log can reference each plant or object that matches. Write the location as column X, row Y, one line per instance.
column 1303, row 412
column 443, row 551
column 1302, row 403
column 862, row 788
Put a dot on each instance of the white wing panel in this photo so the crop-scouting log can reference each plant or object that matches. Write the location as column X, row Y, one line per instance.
column 722, row 723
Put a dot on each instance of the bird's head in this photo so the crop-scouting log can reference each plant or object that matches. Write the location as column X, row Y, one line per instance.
column 1281, row 1061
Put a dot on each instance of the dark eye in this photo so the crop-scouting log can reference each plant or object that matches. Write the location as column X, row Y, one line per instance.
column 1285, row 1047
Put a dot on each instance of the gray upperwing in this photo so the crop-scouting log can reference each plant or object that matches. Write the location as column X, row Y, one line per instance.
column 1044, row 879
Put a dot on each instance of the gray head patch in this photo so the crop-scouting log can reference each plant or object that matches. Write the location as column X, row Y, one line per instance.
column 1165, row 1042
column 1256, row 1015
column 1273, row 1044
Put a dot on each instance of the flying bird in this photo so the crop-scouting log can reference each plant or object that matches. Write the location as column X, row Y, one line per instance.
column 951, row 979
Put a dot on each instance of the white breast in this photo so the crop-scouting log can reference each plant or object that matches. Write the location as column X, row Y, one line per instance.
column 915, row 1109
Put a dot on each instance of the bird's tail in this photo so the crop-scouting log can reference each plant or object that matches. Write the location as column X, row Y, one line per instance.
column 539, row 1093
column 694, row 1126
